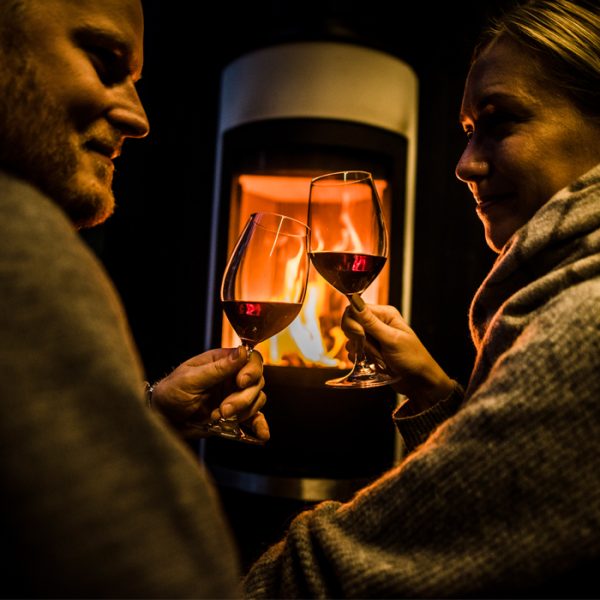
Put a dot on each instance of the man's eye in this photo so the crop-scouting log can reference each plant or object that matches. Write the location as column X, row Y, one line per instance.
column 107, row 63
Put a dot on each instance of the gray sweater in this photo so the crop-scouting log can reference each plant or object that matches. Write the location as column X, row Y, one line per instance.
column 499, row 494
column 99, row 499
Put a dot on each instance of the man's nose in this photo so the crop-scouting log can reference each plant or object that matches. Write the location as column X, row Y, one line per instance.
column 127, row 112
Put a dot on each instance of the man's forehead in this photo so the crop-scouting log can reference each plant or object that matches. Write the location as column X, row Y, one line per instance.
column 126, row 12
column 118, row 24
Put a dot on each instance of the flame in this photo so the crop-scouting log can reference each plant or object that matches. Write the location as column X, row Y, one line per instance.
column 291, row 270
column 315, row 337
column 302, row 343
column 350, row 230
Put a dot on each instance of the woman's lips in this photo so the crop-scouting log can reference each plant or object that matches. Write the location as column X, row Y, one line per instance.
column 489, row 201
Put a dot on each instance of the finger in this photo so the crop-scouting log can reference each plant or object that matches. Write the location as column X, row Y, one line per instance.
column 371, row 347
column 260, row 427
column 207, row 357
column 239, row 411
column 225, row 366
column 350, row 326
column 378, row 331
column 243, row 404
column 251, row 373
column 357, row 303
column 384, row 312
column 374, row 353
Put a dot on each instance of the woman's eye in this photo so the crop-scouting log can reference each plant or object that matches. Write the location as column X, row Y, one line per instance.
column 498, row 124
column 467, row 130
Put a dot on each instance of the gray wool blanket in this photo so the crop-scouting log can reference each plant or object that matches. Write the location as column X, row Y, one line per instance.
column 499, row 493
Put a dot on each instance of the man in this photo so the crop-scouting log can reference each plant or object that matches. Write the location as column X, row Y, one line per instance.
column 100, row 499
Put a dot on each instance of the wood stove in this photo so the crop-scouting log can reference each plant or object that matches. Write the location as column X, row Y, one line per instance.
column 290, row 112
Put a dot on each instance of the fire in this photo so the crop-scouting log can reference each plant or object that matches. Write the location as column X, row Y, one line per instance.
column 302, row 343
column 314, row 338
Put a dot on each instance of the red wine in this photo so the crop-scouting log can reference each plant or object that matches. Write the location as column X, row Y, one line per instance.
column 257, row 321
column 348, row 272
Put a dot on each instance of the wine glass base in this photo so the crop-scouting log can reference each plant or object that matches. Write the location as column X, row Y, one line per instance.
column 230, row 430
column 361, row 381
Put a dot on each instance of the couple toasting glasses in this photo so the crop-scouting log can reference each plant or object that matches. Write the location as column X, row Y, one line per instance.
column 498, row 494
column 266, row 278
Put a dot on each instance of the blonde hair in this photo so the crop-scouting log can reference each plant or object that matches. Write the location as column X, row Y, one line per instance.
column 565, row 36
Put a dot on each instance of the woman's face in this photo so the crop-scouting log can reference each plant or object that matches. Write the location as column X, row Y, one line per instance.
column 526, row 140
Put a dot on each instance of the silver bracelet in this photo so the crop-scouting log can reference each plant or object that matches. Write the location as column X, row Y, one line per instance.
column 149, row 389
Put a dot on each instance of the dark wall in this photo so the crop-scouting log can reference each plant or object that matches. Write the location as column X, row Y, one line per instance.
column 155, row 246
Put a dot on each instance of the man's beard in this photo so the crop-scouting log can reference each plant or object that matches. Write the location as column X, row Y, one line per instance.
column 36, row 145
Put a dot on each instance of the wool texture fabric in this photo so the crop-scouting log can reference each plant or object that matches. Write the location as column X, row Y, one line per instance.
column 99, row 498
column 499, row 492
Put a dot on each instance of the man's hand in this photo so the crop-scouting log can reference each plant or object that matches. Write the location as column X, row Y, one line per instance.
column 219, row 382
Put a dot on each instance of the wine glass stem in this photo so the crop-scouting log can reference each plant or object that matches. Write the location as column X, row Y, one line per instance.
column 361, row 363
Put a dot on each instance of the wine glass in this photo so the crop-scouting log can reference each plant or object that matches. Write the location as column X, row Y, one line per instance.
column 263, row 289
column 348, row 247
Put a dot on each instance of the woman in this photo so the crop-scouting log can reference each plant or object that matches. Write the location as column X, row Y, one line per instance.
column 499, row 494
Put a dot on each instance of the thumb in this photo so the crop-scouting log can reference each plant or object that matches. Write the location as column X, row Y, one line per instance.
column 224, row 367
column 370, row 322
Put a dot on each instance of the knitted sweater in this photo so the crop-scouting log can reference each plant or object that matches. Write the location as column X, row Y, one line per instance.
column 99, row 499
column 503, row 496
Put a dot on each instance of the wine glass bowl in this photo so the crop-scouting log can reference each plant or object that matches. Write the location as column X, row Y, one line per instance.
column 349, row 248
column 263, row 289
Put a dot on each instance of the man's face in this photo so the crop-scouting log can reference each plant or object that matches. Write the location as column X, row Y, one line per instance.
column 68, row 98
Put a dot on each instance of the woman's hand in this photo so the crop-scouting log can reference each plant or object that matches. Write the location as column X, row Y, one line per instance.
column 391, row 342
column 219, row 382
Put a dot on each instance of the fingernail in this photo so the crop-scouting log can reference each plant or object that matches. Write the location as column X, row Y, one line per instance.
column 227, row 410
column 358, row 304
column 244, row 381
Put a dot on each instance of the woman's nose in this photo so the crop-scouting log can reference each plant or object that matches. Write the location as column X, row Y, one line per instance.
column 471, row 166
